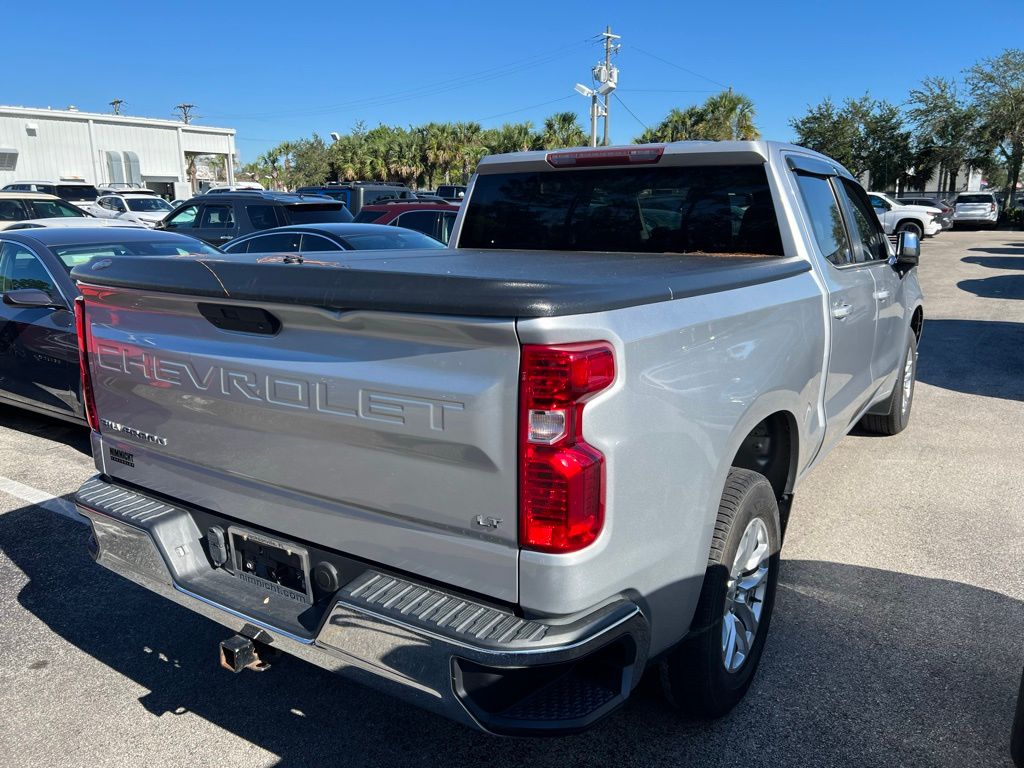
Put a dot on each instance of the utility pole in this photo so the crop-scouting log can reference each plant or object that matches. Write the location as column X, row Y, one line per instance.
column 612, row 73
column 116, row 104
column 606, row 75
column 186, row 112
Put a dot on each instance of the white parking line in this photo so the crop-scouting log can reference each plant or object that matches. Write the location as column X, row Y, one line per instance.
column 40, row 498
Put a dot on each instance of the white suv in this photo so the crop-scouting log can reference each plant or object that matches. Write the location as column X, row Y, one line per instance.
column 138, row 207
column 922, row 220
column 978, row 208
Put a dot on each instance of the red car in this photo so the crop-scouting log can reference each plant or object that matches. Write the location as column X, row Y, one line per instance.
column 429, row 217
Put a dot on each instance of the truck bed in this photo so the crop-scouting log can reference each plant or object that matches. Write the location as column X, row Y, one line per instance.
column 480, row 283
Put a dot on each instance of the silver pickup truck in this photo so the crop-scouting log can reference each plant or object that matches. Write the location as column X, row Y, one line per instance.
column 504, row 479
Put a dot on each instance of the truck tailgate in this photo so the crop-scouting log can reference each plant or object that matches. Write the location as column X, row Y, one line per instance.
column 385, row 436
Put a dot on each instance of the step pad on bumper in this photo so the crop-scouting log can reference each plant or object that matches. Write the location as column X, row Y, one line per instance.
column 436, row 610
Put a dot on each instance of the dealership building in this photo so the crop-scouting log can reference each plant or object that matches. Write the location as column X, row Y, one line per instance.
column 69, row 145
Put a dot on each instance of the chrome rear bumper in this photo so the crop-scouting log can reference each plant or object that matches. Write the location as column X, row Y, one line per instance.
column 457, row 655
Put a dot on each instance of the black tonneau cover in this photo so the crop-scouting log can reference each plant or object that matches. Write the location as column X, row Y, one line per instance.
column 446, row 282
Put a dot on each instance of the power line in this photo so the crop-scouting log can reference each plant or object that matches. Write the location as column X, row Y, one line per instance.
column 631, row 112
column 524, row 109
column 668, row 90
column 443, row 86
column 679, row 66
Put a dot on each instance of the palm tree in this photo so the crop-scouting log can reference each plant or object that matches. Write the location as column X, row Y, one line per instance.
column 439, row 150
column 730, row 115
column 562, row 129
column 469, row 146
column 514, row 137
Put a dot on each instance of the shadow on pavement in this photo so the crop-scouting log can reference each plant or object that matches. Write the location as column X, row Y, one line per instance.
column 978, row 357
column 46, row 427
column 1001, row 287
column 864, row 667
column 997, row 262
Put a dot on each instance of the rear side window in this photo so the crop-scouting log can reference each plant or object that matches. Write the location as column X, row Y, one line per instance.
column 699, row 210
column 262, row 216
column 317, row 213
column 217, row 217
column 826, row 219
column 279, row 241
column 421, row 221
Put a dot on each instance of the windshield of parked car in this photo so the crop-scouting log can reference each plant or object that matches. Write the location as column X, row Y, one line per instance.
column 317, row 213
column 975, row 199
column 53, row 209
column 147, row 204
column 692, row 209
column 76, row 192
column 74, row 255
column 397, row 239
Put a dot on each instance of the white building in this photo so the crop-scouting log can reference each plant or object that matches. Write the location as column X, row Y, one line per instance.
column 66, row 145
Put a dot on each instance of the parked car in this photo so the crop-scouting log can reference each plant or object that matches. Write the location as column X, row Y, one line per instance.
column 78, row 193
column 946, row 219
column 356, row 194
column 923, row 221
column 222, row 217
column 431, row 218
column 23, row 206
column 979, row 209
column 502, row 479
column 331, row 237
column 147, row 210
column 38, row 348
column 451, row 192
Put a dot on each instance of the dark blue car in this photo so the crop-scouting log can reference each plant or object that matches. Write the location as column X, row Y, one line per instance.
column 38, row 341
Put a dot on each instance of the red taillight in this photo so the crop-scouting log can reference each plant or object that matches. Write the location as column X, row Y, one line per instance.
column 992, row 207
column 88, row 398
column 561, row 477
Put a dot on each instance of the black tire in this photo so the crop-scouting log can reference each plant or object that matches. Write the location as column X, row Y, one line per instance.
column 694, row 675
column 911, row 226
column 897, row 415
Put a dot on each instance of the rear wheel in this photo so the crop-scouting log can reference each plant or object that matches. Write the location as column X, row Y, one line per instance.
column 710, row 671
column 898, row 416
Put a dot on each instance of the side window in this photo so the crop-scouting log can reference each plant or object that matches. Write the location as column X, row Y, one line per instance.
column 873, row 245
column 279, row 241
column 447, row 224
column 878, row 204
column 421, row 221
column 262, row 216
column 22, row 269
column 826, row 219
column 11, row 210
column 318, row 243
column 217, row 217
column 185, row 218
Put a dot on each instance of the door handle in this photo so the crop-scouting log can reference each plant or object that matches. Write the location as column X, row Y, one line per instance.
column 881, row 295
column 224, row 238
column 842, row 311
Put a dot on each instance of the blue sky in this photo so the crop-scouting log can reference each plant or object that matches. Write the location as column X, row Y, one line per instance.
column 277, row 70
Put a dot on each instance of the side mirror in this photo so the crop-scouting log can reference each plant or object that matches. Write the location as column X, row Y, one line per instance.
column 908, row 250
column 30, row 297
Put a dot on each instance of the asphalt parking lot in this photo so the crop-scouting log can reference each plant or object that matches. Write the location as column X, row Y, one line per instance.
column 898, row 636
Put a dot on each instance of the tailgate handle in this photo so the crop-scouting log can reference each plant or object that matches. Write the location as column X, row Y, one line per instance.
column 230, row 317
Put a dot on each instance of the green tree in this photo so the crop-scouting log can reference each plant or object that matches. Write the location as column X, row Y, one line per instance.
column 833, row 131
column 944, row 129
column 997, row 86
column 562, row 130
column 513, row 137
column 886, row 146
column 723, row 117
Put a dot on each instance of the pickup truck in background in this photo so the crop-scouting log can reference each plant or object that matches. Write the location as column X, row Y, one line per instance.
column 503, row 479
